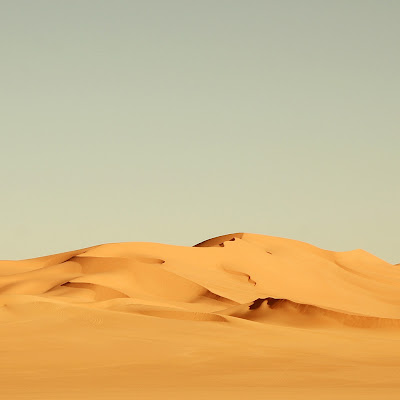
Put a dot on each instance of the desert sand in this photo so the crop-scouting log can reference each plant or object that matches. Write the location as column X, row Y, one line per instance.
column 238, row 316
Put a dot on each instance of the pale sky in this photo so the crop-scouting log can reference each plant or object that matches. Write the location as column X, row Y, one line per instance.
column 176, row 121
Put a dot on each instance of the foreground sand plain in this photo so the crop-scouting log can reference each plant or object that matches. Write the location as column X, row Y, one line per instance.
column 238, row 316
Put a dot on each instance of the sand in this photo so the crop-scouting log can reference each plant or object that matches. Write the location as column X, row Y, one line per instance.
column 238, row 316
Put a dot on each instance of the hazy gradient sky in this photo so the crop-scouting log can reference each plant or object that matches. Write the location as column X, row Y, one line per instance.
column 176, row 121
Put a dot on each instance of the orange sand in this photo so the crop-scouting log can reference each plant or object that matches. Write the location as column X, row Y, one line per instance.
column 239, row 316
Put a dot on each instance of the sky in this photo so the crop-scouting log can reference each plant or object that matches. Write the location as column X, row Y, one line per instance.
column 175, row 121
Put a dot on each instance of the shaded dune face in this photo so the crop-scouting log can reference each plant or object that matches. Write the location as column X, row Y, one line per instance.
column 235, row 277
column 219, row 241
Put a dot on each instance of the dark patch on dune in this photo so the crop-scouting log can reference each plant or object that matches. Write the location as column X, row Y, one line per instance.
column 217, row 241
column 270, row 301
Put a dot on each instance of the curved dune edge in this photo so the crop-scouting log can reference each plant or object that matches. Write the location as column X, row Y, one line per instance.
column 286, row 312
column 253, row 277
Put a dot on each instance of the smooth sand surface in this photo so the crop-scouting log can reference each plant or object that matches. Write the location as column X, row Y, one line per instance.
column 239, row 316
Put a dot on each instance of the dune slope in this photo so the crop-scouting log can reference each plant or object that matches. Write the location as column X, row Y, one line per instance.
column 241, row 314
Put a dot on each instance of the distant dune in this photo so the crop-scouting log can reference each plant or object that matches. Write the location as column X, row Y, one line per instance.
column 237, row 316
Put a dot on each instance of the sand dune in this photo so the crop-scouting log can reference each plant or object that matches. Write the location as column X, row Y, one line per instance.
column 238, row 315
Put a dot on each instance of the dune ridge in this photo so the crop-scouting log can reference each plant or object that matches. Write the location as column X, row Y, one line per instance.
column 221, row 287
column 231, row 269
